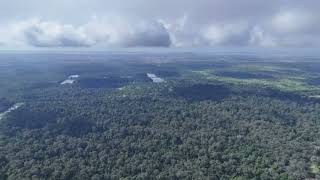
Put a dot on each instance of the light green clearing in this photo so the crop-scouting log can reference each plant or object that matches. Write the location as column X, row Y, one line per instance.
column 315, row 169
column 266, row 68
column 292, row 84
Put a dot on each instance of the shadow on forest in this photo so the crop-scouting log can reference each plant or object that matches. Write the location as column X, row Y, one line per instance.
column 5, row 104
column 200, row 92
column 42, row 85
column 314, row 81
column 25, row 118
column 107, row 82
column 277, row 94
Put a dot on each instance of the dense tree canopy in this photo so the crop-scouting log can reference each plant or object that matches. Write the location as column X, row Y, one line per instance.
column 97, row 134
column 207, row 120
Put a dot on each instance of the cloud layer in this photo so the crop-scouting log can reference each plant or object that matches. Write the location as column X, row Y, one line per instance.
column 119, row 33
column 179, row 23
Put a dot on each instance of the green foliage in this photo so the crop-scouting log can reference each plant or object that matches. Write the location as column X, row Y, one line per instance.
column 189, row 127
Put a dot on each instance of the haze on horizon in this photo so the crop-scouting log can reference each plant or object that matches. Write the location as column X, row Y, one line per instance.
column 143, row 23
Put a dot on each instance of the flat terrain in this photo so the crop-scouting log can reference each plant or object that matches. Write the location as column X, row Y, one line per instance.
column 159, row 115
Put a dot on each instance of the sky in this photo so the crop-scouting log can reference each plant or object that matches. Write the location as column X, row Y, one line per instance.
column 96, row 24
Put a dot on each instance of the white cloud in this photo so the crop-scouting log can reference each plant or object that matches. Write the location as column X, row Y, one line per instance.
column 290, row 28
column 182, row 32
column 259, row 37
column 178, row 23
column 293, row 22
column 226, row 34
column 50, row 34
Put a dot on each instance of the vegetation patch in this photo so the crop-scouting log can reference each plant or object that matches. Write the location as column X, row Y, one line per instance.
column 269, row 67
column 295, row 84
column 243, row 75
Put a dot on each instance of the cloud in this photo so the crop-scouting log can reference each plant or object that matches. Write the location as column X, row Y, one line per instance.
column 166, row 23
column 49, row 34
column 281, row 29
column 39, row 33
column 184, row 33
column 226, row 34
column 294, row 22
column 154, row 34
column 259, row 37
column 294, row 28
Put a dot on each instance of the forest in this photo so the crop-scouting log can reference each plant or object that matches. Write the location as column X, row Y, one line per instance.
column 239, row 119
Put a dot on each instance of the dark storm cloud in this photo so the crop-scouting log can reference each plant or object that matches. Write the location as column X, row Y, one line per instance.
column 155, row 35
column 113, row 32
column 84, row 23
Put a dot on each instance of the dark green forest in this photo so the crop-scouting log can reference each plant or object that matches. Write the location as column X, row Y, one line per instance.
column 209, row 119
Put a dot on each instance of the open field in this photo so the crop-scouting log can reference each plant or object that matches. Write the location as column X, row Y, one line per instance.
column 286, row 79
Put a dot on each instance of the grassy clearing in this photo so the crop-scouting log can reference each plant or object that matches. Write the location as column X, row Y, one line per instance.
column 287, row 83
column 315, row 169
column 269, row 68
